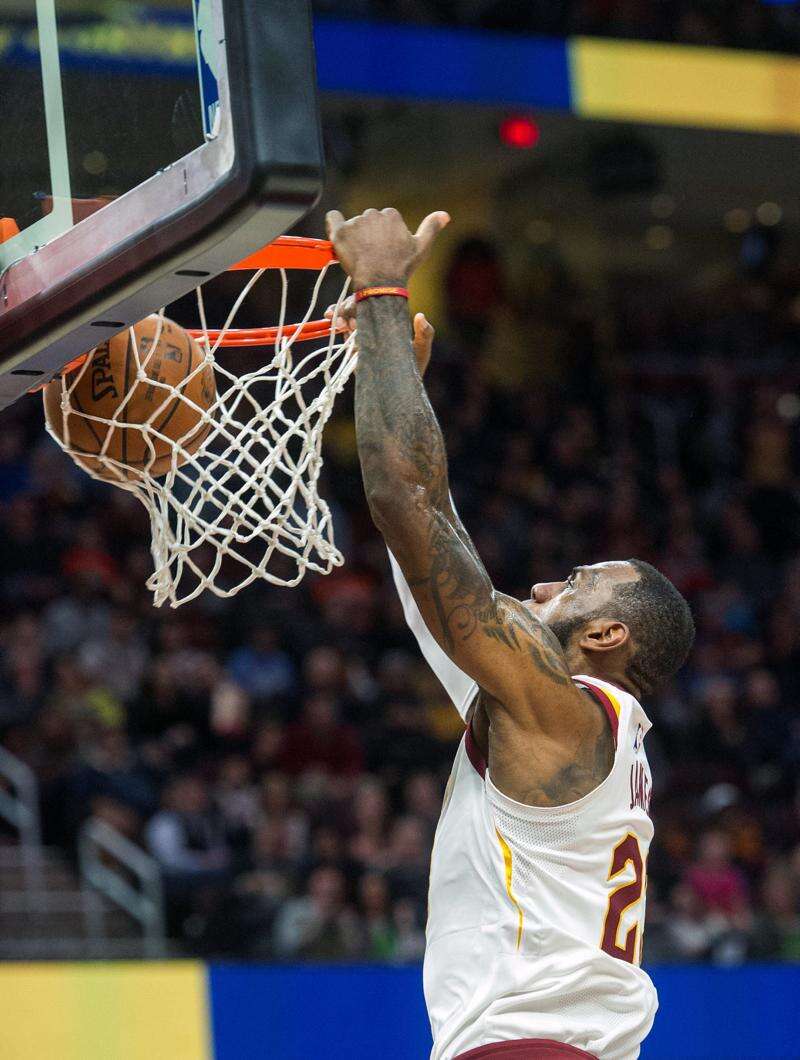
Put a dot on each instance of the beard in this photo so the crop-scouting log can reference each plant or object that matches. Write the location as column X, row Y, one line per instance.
column 565, row 629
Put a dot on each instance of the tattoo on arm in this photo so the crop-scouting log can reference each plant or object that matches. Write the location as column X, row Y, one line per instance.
column 394, row 419
column 403, row 456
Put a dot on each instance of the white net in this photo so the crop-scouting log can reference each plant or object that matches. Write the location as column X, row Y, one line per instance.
column 245, row 504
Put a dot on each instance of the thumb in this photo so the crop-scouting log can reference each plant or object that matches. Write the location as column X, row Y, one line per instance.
column 429, row 230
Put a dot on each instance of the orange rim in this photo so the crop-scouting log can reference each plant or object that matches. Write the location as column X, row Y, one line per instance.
column 290, row 252
column 286, row 252
column 313, row 329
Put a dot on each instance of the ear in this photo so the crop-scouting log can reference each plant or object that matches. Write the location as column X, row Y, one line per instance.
column 604, row 634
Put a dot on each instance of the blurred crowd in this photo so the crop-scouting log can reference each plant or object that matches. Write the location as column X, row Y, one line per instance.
column 283, row 754
column 715, row 23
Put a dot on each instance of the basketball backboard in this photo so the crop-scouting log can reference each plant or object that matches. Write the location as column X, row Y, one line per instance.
column 122, row 185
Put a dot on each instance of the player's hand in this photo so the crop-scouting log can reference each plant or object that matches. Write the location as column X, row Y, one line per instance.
column 423, row 330
column 376, row 248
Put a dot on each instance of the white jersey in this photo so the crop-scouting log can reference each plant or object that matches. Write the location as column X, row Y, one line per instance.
column 536, row 913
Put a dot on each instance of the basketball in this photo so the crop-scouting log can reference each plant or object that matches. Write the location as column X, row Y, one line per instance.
column 103, row 384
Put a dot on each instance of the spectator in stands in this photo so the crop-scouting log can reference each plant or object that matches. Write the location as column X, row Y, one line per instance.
column 22, row 676
column 374, row 907
column 408, row 860
column 79, row 613
column 400, row 741
column 326, row 671
column 110, row 767
column 267, row 744
column 327, row 847
column 184, row 836
column 687, row 934
column 272, row 849
column 188, row 841
column 118, row 659
column 321, row 742
column 277, row 806
column 320, row 925
column 371, row 816
column 262, row 669
column 28, row 568
column 715, row 881
column 236, row 799
column 410, row 938
column 422, row 799
column 776, row 931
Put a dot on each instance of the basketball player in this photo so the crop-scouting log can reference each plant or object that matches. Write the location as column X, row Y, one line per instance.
column 537, row 887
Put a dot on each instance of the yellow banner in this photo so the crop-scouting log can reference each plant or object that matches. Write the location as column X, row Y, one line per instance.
column 110, row 1011
column 679, row 85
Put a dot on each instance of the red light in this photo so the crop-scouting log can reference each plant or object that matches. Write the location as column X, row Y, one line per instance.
column 520, row 132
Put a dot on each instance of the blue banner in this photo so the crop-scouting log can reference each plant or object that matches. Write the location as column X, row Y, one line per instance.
column 448, row 65
column 350, row 1013
column 363, row 58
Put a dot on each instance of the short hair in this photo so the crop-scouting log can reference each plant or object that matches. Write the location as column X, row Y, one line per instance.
column 660, row 623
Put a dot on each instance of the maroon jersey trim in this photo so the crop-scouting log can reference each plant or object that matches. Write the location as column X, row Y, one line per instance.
column 473, row 752
column 600, row 696
column 526, row 1049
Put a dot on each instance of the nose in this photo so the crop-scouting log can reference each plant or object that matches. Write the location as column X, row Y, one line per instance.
column 544, row 591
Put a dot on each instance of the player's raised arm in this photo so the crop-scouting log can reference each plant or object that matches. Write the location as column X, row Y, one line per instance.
column 459, row 686
column 493, row 638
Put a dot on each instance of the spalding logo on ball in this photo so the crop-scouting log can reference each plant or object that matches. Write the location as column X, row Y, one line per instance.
column 163, row 413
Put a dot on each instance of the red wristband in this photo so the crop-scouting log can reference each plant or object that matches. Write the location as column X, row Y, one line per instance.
column 379, row 292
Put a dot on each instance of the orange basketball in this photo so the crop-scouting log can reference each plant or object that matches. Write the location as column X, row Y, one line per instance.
column 110, row 376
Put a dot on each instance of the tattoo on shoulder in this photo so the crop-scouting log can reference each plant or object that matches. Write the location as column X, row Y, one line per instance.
column 466, row 603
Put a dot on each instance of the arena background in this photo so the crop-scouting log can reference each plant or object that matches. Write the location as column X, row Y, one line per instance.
column 617, row 305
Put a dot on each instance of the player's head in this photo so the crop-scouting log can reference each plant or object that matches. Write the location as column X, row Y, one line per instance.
column 623, row 615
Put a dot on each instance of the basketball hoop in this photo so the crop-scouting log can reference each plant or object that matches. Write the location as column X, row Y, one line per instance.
column 243, row 505
column 286, row 252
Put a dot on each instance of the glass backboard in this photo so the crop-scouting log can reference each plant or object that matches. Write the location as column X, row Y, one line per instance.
column 144, row 149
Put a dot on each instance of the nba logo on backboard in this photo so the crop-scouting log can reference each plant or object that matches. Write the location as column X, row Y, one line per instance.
column 209, row 42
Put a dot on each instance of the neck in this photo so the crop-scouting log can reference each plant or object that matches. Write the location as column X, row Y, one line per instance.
column 613, row 676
